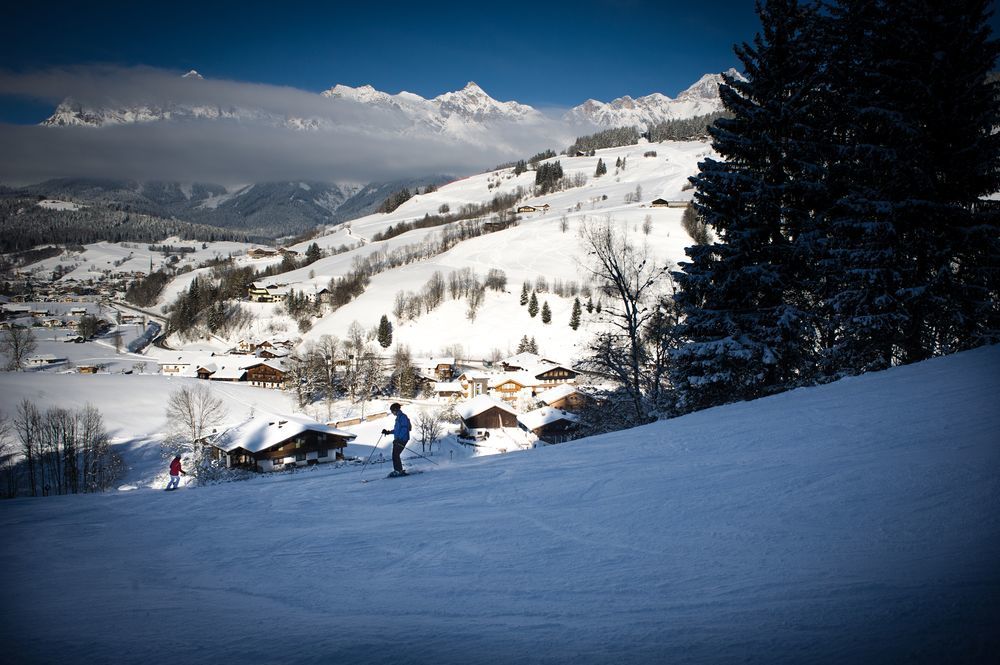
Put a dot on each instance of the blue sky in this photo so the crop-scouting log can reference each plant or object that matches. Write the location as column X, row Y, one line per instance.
column 544, row 54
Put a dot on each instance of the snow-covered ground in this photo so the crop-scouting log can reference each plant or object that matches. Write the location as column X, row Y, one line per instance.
column 854, row 522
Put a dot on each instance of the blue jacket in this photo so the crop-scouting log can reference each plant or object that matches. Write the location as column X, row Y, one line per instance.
column 401, row 431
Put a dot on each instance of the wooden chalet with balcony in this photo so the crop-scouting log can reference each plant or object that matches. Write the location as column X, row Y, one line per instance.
column 270, row 442
column 485, row 413
column 268, row 374
column 550, row 425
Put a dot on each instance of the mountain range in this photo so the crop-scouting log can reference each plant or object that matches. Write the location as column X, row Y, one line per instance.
column 450, row 113
column 274, row 208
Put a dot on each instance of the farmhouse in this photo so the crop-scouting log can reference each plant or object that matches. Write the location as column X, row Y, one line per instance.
column 449, row 390
column 268, row 442
column 663, row 203
column 260, row 293
column 485, row 413
column 175, row 366
column 41, row 360
column 268, row 374
column 564, row 396
column 549, row 425
column 550, row 375
column 523, row 361
column 511, row 387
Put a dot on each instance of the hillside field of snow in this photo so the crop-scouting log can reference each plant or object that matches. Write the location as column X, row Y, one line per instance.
column 853, row 522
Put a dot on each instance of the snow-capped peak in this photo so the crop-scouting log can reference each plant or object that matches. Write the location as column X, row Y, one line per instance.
column 699, row 99
column 192, row 75
column 707, row 87
column 472, row 102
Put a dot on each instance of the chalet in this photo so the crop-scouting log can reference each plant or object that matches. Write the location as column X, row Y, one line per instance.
column 550, row 375
column 485, row 413
column 663, row 203
column 78, row 311
column 550, row 425
column 512, row 387
column 474, row 383
column 52, row 322
column 178, row 365
column 565, row 396
column 526, row 209
column 440, row 368
column 87, row 369
column 42, row 360
column 523, row 361
column 245, row 346
column 262, row 253
column 451, row 391
column 264, row 293
column 272, row 351
column 215, row 372
column 268, row 442
column 268, row 374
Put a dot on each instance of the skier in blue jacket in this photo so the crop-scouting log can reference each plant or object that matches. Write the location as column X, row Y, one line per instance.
column 400, row 435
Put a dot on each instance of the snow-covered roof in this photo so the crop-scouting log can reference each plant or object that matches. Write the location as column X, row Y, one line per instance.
column 266, row 430
column 557, row 393
column 274, row 363
column 448, row 387
column 523, row 378
column 480, row 404
column 231, row 372
column 524, row 359
column 545, row 416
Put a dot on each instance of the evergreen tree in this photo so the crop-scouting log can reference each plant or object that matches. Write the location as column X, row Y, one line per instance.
column 546, row 312
column 744, row 324
column 524, row 294
column 313, row 253
column 533, row 305
column 525, row 344
column 574, row 319
column 404, row 375
column 911, row 239
column 601, row 168
column 384, row 332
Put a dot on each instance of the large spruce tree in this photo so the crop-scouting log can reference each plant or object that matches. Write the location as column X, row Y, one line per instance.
column 851, row 214
column 747, row 333
column 908, row 236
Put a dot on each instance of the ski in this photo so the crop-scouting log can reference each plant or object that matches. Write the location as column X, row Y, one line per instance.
column 393, row 474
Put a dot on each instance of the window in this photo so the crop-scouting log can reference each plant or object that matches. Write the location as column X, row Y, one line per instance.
column 323, row 453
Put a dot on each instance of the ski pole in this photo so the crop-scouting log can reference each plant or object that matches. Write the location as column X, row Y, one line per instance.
column 419, row 455
column 374, row 448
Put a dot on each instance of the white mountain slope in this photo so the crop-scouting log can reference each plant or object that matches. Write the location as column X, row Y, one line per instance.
column 536, row 248
column 854, row 522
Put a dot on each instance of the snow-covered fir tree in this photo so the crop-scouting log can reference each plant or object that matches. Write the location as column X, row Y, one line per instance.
column 745, row 327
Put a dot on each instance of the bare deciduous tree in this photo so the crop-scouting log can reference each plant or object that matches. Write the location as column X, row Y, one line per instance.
column 630, row 277
column 192, row 413
column 430, row 428
column 17, row 344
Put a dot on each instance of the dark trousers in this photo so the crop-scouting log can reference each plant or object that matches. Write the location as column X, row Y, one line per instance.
column 397, row 450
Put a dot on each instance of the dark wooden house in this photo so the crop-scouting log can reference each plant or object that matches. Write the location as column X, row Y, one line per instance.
column 271, row 443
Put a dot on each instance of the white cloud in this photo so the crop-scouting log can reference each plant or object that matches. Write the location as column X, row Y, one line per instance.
column 347, row 142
